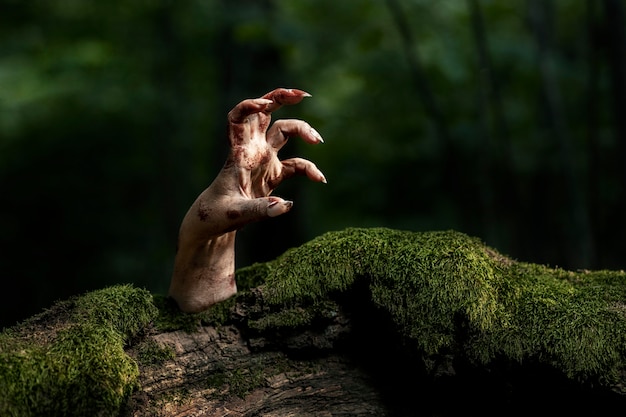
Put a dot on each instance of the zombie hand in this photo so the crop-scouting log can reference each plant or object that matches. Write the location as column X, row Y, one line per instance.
column 204, row 267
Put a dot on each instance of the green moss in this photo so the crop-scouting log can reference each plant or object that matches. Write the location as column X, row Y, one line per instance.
column 447, row 292
column 422, row 279
column 574, row 321
column 251, row 276
column 234, row 380
column 296, row 316
column 237, row 382
column 151, row 353
column 79, row 367
column 170, row 317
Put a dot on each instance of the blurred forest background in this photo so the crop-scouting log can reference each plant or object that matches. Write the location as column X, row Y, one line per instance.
column 501, row 119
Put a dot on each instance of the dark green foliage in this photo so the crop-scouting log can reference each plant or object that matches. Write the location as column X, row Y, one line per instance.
column 112, row 118
column 447, row 292
column 80, row 368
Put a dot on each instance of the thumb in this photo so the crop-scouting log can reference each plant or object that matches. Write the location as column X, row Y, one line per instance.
column 251, row 210
column 277, row 206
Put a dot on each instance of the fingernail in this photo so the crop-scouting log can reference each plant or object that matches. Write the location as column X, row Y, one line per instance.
column 317, row 135
column 324, row 179
column 298, row 92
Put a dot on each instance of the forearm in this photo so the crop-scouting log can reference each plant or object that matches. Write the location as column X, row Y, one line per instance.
column 204, row 274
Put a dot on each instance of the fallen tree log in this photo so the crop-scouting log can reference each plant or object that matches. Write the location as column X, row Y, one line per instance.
column 358, row 322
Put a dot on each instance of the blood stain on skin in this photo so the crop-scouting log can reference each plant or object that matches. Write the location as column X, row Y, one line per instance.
column 264, row 124
column 237, row 134
column 203, row 214
column 241, row 157
column 233, row 214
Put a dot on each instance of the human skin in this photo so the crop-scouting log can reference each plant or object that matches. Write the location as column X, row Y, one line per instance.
column 204, row 266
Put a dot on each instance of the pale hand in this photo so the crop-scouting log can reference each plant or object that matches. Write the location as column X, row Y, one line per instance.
column 204, row 267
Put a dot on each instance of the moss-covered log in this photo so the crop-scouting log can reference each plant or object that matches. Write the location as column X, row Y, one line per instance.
column 446, row 292
column 356, row 322
column 70, row 360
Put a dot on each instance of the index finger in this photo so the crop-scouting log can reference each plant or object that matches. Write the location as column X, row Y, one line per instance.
column 268, row 103
column 284, row 96
column 241, row 111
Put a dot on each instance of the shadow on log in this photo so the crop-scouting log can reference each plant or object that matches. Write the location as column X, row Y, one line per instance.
column 356, row 323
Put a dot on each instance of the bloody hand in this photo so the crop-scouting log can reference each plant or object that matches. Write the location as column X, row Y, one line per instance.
column 204, row 267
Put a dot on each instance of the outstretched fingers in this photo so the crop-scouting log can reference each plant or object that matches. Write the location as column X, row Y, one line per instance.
column 300, row 166
column 248, row 210
column 267, row 104
column 285, row 96
column 283, row 129
column 248, row 107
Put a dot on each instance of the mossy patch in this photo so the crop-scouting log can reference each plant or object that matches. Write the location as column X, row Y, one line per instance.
column 151, row 353
column 240, row 381
column 448, row 292
column 444, row 292
column 170, row 317
column 571, row 320
column 70, row 361
column 237, row 382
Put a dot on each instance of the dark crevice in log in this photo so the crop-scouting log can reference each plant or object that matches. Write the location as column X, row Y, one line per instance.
column 355, row 364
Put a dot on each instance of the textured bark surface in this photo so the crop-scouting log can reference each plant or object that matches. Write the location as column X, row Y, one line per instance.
column 353, row 365
column 382, row 322
column 221, row 372
column 356, row 322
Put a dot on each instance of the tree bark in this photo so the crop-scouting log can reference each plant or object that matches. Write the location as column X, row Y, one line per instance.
column 286, row 387
column 353, row 364
column 234, row 371
column 358, row 322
